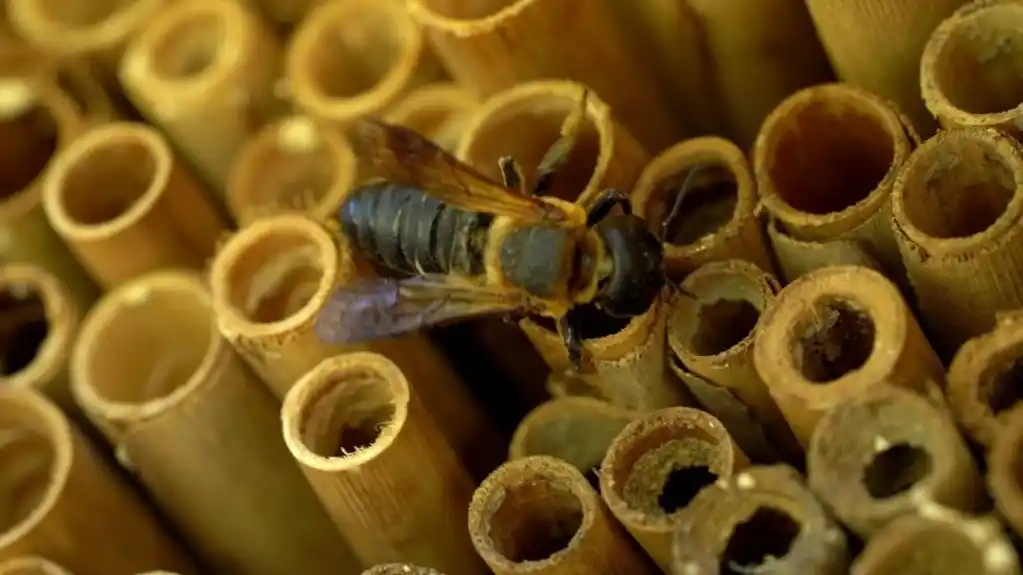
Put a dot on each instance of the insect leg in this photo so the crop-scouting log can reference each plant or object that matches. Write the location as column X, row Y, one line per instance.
column 676, row 208
column 573, row 341
column 606, row 202
column 561, row 149
column 511, row 174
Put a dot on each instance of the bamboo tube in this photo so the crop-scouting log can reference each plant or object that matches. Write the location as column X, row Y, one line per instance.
column 31, row 565
column 285, row 14
column 798, row 257
column 763, row 520
column 379, row 463
column 269, row 281
column 825, row 162
column 877, row 45
column 400, row 569
column 90, row 99
column 968, row 72
column 762, row 51
column 125, row 206
column 717, row 218
column 293, row 164
column 440, row 111
column 159, row 394
column 356, row 58
column 831, row 335
column 873, row 455
column 205, row 72
column 657, row 465
column 938, row 542
column 1004, row 475
column 538, row 515
column 65, row 503
column 957, row 205
column 711, row 332
column 565, row 384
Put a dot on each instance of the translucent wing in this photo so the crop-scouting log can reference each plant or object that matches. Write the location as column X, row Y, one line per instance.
column 383, row 307
column 406, row 157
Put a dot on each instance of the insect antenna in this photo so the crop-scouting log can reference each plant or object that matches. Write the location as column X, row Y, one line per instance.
column 669, row 221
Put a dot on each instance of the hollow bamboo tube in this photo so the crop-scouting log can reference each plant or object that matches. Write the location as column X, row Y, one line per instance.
column 293, row 164
column 831, row 335
column 64, row 503
column 439, row 110
column 711, row 333
column 205, row 72
column 31, row 565
column 400, row 569
column 1005, row 469
column 877, row 45
column 269, row 281
column 565, row 384
column 656, row 466
column 825, row 162
column 357, row 58
column 538, row 515
column 938, row 542
column 379, row 463
column 125, row 206
column 797, row 257
column 159, row 394
column 969, row 72
column 284, row 14
column 763, row 519
column 875, row 454
column 717, row 218
column 956, row 206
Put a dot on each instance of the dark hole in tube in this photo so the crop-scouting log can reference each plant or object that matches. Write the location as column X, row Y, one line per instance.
column 895, row 470
column 1006, row 388
column 535, row 520
column 768, row 534
column 707, row 205
column 682, row 485
column 723, row 324
column 836, row 340
column 27, row 143
column 24, row 329
column 592, row 322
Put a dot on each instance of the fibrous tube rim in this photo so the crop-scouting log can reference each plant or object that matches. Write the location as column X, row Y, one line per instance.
column 31, row 565
column 60, row 315
column 467, row 27
column 33, row 21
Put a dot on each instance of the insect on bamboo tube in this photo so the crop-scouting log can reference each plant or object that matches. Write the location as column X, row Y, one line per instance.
column 126, row 206
column 656, row 466
column 938, row 542
column 970, row 71
column 356, row 58
column 63, row 502
column 205, row 72
column 825, row 163
column 374, row 455
column 293, row 164
column 160, row 394
column 712, row 184
column 957, row 205
column 831, row 335
column 31, row 565
column 399, row 569
column 873, row 455
column 711, row 328
column 1005, row 469
column 762, row 520
column 538, row 515
column 439, row 111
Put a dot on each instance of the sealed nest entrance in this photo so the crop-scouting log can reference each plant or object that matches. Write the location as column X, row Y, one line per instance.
column 665, row 479
column 23, row 328
column 1004, row 389
column 834, row 339
column 349, row 416
column 190, row 46
column 708, row 195
column 275, row 276
column 895, row 470
column 106, row 181
column 28, row 140
column 723, row 324
column 764, row 538
column 27, row 462
column 535, row 520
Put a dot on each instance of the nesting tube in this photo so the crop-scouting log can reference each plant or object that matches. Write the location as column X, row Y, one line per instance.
column 293, row 164
column 64, row 503
column 957, row 206
column 205, row 72
column 400, row 569
column 125, row 206
column 356, row 58
column 875, row 454
column 825, row 163
column 716, row 218
column 379, row 463
column 1004, row 465
column 656, row 466
column 711, row 329
column 439, row 110
column 831, row 335
column 88, row 96
column 761, row 520
column 159, row 394
column 565, row 384
column 538, row 515
column 31, row 565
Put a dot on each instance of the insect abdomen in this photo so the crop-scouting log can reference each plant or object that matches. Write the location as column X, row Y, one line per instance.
column 409, row 231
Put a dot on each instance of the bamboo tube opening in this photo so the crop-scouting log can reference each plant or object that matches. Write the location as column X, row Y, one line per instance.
column 1000, row 387
column 190, row 45
column 31, row 565
column 463, row 11
column 24, row 328
column 708, row 205
column 833, row 337
column 35, row 331
column 896, row 469
column 725, row 317
column 1005, row 469
column 29, row 136
column 768, row 533
column 78, row 14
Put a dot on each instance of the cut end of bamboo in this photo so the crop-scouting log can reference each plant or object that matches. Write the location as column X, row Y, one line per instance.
column 439, row 111
column 463, row 19
column 31, row 565
column 398, row 569
column 1005, row 469
column 71, row 28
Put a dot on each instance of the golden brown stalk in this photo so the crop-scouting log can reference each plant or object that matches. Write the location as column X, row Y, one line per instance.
column 31, row 565
column 717, row 218
column 957, row 205
column 831, row 335
column 159, row 394
column 877, row 44
column 205, row 72
column 126, row 206
column 875, row 454
column 400, row 569
column 379, row 463
column 293, row 164
column 1005, row 468
column 657, row 465
column 797, row 257
column 479, row 43
column 538, row 515
column 711, row 331
column 762, row 520
column 65, row 503
column 440, row 111
column 825, row 162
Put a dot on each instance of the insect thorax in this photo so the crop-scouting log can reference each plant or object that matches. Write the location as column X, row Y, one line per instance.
column 539, row 259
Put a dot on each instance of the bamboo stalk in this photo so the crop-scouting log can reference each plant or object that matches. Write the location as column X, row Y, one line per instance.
column 439, row 110
column 1004, row 480
column 538, row 515
column 125, row 206
column 798, row 257
column 160, row 394
column 285, row 14
column 833, row 334
column 400, row 569
column 31, row 565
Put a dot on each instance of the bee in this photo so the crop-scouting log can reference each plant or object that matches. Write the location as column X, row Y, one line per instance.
column 468, row 246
